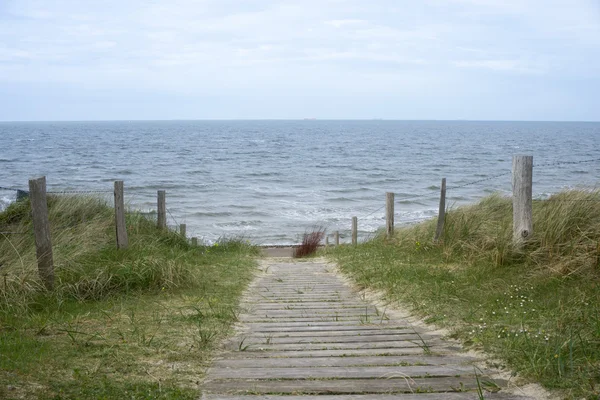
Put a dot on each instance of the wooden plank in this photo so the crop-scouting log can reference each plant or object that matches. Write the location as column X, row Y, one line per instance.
column 342, row 361
column 161, row 210
column 261, row 339
column 401, row 396
column 120, row 227
column 377, row 372
column 323, row 325
column 392, row 384
column 183, row 230
column 336, row 235
column 441, row 213
column 41, row 229
column 335, row 353
column 334, row 332
column 354, row 230
column 391, row 344
column 389, row 215
column 522, row 178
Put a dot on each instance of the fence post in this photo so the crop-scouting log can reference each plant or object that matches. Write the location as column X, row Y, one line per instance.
column 336, row 235
column 442, row 213
column 389, row 215
column 183, row 230
column 194, row 241
column 41, row 227
column 121, row 228
column 522, row 182
column 326, row 241
column 354, row 230
column 162, row 210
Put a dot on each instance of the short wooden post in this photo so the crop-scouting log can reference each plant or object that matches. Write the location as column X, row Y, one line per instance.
column 354, row 230
column 162, row 209
column 121, row 228
column 183, row 230
column 441, row 213
column 194, row 241
column 522, row 185
column 336, row 236
column 389, row 215
column 41, row 227
column 326, row 241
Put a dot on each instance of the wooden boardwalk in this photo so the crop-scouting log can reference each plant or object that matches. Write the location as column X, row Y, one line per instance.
column 306, row 334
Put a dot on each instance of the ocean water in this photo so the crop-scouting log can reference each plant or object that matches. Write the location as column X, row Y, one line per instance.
column 270, row 181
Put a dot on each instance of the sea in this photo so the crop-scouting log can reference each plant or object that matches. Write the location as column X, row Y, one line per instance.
column 271, row 181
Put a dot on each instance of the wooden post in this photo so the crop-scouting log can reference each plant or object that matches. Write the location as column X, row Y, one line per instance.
column 121, row 228
column 183, row 230
column 441, row 213
column 41, row 227
column 194, row 241
column 162, row 210
column 354, row 230
column 326, row 241
column 389, row 215
column 336, row 235
column 522, row 185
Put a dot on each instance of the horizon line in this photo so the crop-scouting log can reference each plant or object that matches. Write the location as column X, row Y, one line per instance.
column 292, row 119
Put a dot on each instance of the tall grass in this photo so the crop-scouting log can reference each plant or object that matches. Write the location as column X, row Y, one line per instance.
column 127, row 307
column 310, row 243
column 538, row 307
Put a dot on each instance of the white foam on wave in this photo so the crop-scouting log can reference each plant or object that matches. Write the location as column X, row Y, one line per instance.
column 4, row 202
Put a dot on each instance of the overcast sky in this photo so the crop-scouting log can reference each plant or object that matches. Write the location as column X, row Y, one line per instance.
column 220, row 59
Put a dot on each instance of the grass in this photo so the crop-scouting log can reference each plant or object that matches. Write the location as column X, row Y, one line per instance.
column 140, row 323
column 310, row 243
column 537, row 309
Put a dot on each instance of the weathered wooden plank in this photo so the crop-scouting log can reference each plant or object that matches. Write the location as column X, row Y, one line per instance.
column 354, row 230
column 391, row 384
column 391, row 344
column 319, row 325
column 363, row 372
column 313, row 313
column 342, row 361
column 334, row 332
column 336, row 353
column 400, row 396
column 315, row 339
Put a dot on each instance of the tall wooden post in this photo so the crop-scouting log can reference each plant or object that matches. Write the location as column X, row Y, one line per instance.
column 336, row 236
column 162, row 210
column 354, row 230
column 121, row 228
column 41, row 228
column 326, row 241
column 183, row 230
column 389, row 215
column 522, row 185
column 441, row 213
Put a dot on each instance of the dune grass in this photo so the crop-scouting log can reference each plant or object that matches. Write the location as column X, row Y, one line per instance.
column 139, row 323
column 536, row 309
column 310, row 243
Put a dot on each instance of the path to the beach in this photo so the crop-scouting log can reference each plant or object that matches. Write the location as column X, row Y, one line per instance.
column 305, row 333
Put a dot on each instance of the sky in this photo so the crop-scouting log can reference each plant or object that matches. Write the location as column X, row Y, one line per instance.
column 289, row 59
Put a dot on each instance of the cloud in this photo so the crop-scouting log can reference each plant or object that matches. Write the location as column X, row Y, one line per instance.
column 234, row 46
